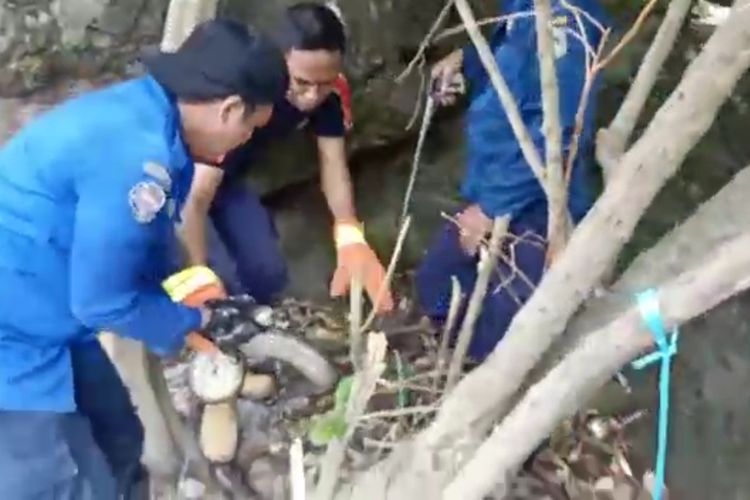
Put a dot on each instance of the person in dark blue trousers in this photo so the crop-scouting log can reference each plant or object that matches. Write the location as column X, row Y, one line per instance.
column 498, row 181
column 225, row 224
column 90, row 193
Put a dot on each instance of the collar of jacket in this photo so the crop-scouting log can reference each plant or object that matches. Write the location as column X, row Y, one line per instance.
column 167, row 103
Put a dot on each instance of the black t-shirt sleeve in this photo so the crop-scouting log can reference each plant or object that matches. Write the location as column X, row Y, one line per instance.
column 328, row 119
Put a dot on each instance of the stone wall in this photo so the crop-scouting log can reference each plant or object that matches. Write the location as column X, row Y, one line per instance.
column 44, row 40
column 49, row 48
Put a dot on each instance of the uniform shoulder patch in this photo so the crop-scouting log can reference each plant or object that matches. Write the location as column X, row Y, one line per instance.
column 146, row 198
column 158, row 172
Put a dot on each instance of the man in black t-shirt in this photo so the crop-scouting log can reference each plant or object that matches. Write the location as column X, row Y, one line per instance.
column 224, row 223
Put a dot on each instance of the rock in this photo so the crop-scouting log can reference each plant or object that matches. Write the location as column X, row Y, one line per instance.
column 43, row 40
column 232, row 482
column 258, row 386
column 255, row 428
column 192, row 489
column 266, row 479
column 219, row 432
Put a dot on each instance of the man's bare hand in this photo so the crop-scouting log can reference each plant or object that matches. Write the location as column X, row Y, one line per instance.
column 474, row 226
column 446, row 81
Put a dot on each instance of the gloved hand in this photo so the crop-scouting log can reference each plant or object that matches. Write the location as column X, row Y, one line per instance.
column 355, row 257
column 194, row 287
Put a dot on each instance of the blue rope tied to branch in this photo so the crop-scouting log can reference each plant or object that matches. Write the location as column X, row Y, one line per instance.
column 648, row 304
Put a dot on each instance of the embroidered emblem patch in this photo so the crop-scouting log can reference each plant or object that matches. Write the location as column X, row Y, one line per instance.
column 146, row 199
column 158, row 172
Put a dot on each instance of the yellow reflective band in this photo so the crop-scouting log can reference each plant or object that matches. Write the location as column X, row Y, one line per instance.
column 181, row 284
column 347, row 233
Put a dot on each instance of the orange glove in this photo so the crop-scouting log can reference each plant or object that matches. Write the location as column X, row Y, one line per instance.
column 355, row 257
column 194, row 287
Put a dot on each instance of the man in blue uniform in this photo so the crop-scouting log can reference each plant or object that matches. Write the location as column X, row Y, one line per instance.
column 498, row 181
column 89, row 194
column 227, row 227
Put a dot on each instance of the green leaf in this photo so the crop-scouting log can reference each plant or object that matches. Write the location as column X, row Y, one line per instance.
column 343, row 393
column 327, row 427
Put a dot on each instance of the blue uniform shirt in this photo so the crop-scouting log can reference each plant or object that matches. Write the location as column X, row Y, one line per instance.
column 327, row 120
column 88, row 196
column 498, row 177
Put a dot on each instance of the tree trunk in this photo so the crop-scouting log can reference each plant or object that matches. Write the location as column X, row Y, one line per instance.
column 717, row 221
column 160, row 454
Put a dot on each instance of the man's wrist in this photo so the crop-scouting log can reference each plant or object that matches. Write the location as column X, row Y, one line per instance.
column 348, row 232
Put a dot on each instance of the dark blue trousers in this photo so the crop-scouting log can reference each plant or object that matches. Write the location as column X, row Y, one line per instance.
column 518, row 271
column 244, row 245
column 93, row 454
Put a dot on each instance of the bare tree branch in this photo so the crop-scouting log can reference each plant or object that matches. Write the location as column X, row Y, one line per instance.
column 630, row 34
column 684, row 118
column 530, row 153
column 182, row 17
column 717, row 221
column 556, row 188
column 591, row 75
column 487, row 264
column 455, row 30
column 721, row 275
column 611, row 141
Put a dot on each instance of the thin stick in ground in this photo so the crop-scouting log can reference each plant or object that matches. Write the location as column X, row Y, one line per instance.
column 389, row 272
column 442, row 355
column 355, row 321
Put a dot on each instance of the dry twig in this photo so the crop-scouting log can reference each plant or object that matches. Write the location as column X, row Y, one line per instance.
column 363, row 387
column 611, row 141
column 486, row 266
column 389, row 272
column 442, row 355
column 455, row 30
column 419, row 57
column 297, row 470
column 356, row 346
column 398, row 412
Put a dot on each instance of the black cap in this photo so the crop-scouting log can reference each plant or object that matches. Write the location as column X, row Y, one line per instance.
column 222, row 58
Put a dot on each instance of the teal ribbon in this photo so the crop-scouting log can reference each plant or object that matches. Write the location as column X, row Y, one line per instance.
column 648, row 304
